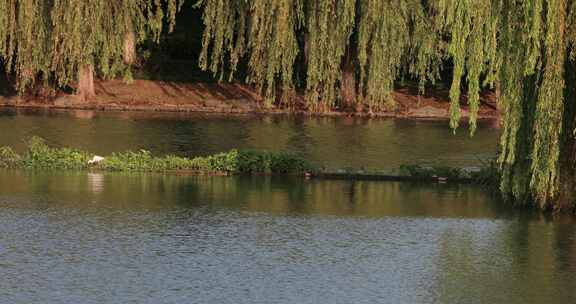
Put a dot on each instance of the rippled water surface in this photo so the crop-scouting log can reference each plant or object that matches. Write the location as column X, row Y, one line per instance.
column 105, row 238
column 150, row 238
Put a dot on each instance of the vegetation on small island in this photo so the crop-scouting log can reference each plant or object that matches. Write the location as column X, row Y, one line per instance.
column 338, row 54
column 486, row 175
column 40, row 156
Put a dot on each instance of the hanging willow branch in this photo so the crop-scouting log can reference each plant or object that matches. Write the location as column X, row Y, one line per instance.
column 330, row 24
column 224, row 36
column 273, row 39
column 382, row 42
column 49, row 40
column 550, row 105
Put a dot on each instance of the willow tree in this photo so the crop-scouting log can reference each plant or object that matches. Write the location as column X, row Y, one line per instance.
column 58, row 42
column 24, row 39
column 527, row 48
column 395, row 39
column 264, row 33
column 330, row 24
column 538, row 155
column 352, row 49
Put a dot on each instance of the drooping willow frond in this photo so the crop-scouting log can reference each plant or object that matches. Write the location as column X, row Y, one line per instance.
column 49, row 40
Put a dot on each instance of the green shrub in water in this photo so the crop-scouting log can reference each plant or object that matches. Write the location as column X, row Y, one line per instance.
column 418, row 171
column 41, row 156
column 266, row 162
column 8, row 158
column 233, row 162
column 222, row 162
column 143, row 161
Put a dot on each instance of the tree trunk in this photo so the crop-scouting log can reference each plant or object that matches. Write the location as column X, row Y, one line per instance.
column 6, row 87
column 348, row 85
column 566, row 200
column 130, row 48
column 85, row 88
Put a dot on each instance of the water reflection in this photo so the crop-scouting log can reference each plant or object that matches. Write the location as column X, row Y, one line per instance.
column 95, row 182
column 93, row 238
column 283, row 195
column 517, row 262
column 333, row 142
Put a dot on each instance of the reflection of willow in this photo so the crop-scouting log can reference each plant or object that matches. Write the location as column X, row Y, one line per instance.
column 525, row 260
column 213, row 135
column 334, row 142
column 342, row 141
column 301, row 141
column 468, row 270
column 261, row 194
column 268, row 133
column 96, row 182
column 425, row 142
column 406, row 199
column 357, row 198
column 544, row 256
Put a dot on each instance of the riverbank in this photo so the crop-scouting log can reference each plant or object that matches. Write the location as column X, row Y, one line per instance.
column 147, row 95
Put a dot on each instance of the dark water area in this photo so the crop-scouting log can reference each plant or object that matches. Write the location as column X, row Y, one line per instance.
column 374, row 144
column 88, row 237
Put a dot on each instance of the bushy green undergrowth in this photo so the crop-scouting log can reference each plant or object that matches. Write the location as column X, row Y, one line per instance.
column 39, row 155
column 144, row 161
column 234, row 162
column 250, row 161
column 8, row 158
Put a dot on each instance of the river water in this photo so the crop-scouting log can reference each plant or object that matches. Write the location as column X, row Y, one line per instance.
column 333, row 142
column 69, row 237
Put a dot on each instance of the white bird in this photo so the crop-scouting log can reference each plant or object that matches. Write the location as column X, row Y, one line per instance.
column 96, row 159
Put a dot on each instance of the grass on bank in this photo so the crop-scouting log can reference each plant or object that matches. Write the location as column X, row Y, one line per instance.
column 38, row 155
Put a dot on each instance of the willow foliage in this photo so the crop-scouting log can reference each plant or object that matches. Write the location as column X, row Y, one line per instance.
column 383, row 38
column 273, row 39
column 391, row 39
column 49, row 40
column 25, row 32
column 224, row 39
column 471, row 26
column 535, row 48
column 523, row 49
column 263, row 31
column 395, row 39
column 329, row 26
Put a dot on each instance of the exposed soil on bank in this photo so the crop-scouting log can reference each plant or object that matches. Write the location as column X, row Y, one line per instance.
column 146, row 95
